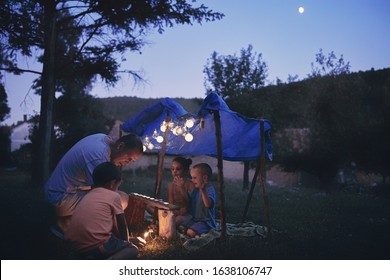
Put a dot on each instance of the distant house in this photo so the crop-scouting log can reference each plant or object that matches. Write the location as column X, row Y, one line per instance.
column 19, row 134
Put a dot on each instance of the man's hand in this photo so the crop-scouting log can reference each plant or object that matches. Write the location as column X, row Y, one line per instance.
column 138, row 242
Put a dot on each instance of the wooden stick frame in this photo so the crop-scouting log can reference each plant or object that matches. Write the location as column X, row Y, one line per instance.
column 161, row 156
column 260, row 170
column 218, row 136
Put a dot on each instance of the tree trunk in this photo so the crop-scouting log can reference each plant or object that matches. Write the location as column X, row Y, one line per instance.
column 47, row 94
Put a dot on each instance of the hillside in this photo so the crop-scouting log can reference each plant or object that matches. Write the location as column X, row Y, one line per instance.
column 123, row 108
column 266, row 103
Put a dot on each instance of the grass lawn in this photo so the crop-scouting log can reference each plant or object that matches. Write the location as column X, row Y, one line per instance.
column 307, row 223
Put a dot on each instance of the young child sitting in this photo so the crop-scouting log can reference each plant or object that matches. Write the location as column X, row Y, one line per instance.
column 97, row 216
column 179, row 188
column 203, row 199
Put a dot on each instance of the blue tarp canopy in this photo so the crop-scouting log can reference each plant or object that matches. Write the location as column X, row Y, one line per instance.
column 240, row 135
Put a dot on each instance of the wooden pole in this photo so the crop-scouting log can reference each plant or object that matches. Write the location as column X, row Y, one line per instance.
column 262, row 177
column 245, row 176
column 160, row 166
column 161, row 156
column 218, row 136
column 120, row 135
column 254, row 180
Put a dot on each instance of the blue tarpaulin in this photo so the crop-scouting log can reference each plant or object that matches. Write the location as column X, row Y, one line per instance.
column 240, row 135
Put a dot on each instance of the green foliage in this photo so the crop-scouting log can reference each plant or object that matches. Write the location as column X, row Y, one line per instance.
column 350, row 120
column 5, row 145
column 76, row 116
column 231, row 76
column 372, row 151
column 5, row 132
column 313, row 120
column 89, row 32
column 329, row 65
column 21, row 33
column 4, row 109
column 323, row 123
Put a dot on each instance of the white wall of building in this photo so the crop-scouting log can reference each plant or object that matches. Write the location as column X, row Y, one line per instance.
column 19, row 136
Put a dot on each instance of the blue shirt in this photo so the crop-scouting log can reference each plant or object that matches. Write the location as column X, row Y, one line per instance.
column 199, row 211
column 76, row 166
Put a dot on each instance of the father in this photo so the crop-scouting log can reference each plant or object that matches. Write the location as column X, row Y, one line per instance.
column 72, row 178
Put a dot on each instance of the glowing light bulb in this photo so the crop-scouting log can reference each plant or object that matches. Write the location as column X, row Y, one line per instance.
column 163, row 126
column 155, row 134
column 144, row 148
column 179, row 130
column 160, row 139
column 189, row 137
column 189, row 123
column 150, row 146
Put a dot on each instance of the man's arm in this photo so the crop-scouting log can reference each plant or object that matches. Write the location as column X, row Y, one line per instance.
column 123, row 231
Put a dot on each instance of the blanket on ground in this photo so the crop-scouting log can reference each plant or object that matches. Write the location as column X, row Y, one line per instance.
column 248, row 229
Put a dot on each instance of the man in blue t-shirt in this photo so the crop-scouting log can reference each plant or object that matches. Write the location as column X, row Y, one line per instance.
column 72, row 178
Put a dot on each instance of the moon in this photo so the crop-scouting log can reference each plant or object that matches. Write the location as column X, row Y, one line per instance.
column 301, row 10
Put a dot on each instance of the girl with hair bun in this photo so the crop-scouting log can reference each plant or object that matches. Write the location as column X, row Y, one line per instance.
column 179, row 188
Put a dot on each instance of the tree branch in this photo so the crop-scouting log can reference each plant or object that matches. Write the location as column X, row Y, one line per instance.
column 16, row 70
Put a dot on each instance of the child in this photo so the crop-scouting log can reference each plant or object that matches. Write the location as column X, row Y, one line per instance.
column 179, row 188
column 97, row 216
column 203, row 199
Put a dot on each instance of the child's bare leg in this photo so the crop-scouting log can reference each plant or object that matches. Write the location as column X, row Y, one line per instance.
column 191, row 233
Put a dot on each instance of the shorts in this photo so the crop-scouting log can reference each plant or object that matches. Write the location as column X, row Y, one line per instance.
column 183, row 219
column 105, row 250
column 199, row 227
column 68, row 203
